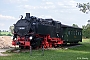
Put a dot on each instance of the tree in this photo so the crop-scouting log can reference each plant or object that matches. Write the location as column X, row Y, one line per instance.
column 0, row 31
column 11, row 29
column 86, row 31
column 85, row 7
column 75, row 25
column 3, row 31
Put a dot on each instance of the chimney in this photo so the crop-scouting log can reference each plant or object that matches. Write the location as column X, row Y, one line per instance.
column 27, row 15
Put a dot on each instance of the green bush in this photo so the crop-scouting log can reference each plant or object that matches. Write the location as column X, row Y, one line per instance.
column 9, row 35
column 0, row 34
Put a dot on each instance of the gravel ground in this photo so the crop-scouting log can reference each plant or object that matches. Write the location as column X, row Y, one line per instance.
column 5, row 44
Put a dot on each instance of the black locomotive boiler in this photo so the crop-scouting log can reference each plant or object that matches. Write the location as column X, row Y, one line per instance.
column 38, row 32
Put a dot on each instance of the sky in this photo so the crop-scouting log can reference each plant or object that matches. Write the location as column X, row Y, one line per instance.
column 64, row 11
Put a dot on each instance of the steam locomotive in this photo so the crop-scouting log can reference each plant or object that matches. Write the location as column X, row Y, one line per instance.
column 38, row 32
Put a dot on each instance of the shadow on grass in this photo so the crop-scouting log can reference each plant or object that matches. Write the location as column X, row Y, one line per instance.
column 85, row 47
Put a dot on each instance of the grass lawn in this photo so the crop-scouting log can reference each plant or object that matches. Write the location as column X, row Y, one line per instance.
column 75, row 53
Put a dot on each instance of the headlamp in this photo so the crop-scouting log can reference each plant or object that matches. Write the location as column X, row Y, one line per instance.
column 30, row 37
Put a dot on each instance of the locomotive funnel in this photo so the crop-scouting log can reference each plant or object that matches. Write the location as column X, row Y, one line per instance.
column 27, row 15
